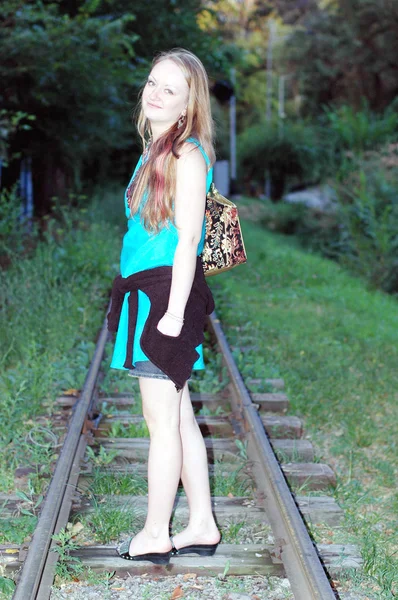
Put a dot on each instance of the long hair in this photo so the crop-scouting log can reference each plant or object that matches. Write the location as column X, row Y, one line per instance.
column 157, row 176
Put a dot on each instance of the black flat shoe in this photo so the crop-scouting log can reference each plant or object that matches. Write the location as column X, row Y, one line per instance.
column 158, row 558
column 201, row 549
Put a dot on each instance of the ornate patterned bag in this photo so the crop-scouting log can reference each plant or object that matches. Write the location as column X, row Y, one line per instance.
column 224, row 247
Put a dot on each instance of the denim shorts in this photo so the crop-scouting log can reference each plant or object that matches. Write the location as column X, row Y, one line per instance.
column 146, row 368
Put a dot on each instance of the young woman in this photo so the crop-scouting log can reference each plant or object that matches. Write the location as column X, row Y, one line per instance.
column 160, row 300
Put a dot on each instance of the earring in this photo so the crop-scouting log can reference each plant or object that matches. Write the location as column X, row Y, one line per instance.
column 181, row 121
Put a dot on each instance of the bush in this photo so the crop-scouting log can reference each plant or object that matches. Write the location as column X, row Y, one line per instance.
column 13, row 227
column 297, row 154
column 361, row 130
column 361, row 232
column 315, row 229
column 369, row 215
column 301, row 153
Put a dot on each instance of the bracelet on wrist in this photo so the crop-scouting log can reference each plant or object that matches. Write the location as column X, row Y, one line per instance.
column 175, row 317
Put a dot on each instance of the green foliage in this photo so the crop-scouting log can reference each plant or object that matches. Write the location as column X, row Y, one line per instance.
column 108, row 521
column 68, row 567
column 359, row 130
column 343, row 52
column 118, row 483
column 297, row 153
column 335, row 344
column 369, row 214
column 284, row 217
column 52, row 302
column 72, row 74
column 214, row 377
column 7, row 587
column 236, row 482
column 242, row 447
column 13, row 230
column 10, row 123
column 361, row 231
column 14, row 530
column 161, row 26
column 132, row 430
column 30, row 501
column 103, row 457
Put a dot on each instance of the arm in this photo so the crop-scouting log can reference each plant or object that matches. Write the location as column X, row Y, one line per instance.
column 189, row 208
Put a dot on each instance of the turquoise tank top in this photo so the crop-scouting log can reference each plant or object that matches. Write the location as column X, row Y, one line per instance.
column 143, row 250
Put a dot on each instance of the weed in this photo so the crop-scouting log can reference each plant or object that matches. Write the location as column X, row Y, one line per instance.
column 118, row 483
column 233, row 482
column 103, row 457
column 45, row 351
column 7, row 587
column 68, row 567
column 206, row 411
column 226, row 569
column 337, row 344
column 242, row 447
column 214, row 378
column 31, row 503
column 131, row 430
column 108, row 520
column 14, row 530
column 231, row 531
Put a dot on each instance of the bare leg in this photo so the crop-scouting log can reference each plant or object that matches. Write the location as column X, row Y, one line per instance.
column 161, row 410
column 195, row 478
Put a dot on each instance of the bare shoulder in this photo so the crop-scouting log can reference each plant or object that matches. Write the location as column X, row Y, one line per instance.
column 191, row 158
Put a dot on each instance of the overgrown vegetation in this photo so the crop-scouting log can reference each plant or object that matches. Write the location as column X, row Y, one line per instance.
column 75, row 102
column 54, row 292
column 335, row 344
column 298, row 152
column 53, row 298
column 359, row 228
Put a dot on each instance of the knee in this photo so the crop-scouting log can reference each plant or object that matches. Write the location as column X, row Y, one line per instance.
column 160, row 423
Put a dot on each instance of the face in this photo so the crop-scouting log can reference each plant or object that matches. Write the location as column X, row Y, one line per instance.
column 165, row 95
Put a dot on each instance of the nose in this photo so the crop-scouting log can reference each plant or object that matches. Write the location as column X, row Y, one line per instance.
column 154, row 94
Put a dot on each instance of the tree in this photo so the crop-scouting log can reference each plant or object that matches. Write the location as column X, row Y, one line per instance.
column 74, row 77
column 76, row 66
column 345, row 51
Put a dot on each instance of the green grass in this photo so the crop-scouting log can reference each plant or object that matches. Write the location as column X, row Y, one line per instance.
column 108, row 521
column 117, row 483
column 335, row 343
column 52, row 302
column 53, row 297
column 235, row 482
column 222, row 483
column 133, row 430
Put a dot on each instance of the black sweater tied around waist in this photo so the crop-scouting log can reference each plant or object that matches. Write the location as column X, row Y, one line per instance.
column 175, row 356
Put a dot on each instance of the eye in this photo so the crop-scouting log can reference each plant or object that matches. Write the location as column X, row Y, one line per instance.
column 150, row 82
column 169, row 91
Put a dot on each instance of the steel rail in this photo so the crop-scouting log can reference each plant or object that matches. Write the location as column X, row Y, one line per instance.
column 34, row 564
column 293, row 544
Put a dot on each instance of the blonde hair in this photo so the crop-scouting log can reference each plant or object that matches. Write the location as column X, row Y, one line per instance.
column 157, row 176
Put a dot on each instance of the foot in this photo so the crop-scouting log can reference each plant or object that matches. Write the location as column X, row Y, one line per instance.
column 189, row 536
column 143, row 543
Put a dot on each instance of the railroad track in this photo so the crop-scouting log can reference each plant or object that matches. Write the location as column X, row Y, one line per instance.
column 264, row 432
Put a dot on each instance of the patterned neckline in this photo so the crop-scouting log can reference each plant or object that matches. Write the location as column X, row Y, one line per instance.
column 144, row 158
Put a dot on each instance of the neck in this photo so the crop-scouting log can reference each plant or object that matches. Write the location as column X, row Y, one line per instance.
column 158, row 129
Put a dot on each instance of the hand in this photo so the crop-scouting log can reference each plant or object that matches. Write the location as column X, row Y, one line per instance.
column 169, row 326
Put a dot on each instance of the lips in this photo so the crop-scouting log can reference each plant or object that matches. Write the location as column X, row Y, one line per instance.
column 153, row 105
